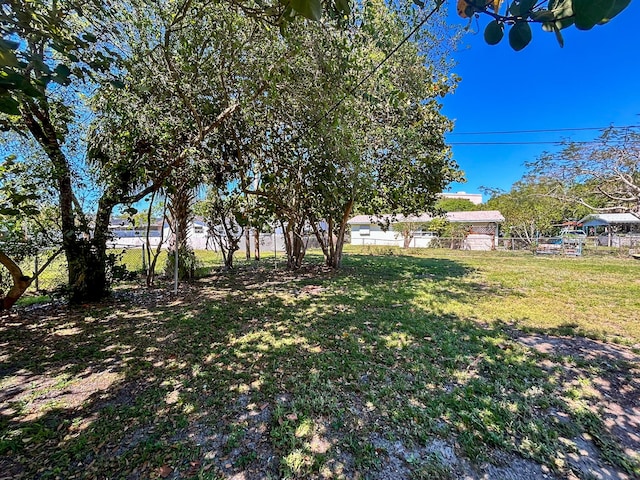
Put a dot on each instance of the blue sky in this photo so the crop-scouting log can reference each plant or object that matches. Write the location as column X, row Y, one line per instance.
column 594, row 81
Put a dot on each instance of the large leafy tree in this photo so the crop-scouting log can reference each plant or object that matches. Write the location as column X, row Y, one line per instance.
column 601, row 175
column 332, row 146
column 152, row 120
column 401, row 160
column 456, row 205
column 48, row 50
column 530, row 212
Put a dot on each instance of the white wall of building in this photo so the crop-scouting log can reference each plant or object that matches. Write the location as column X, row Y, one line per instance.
column 373, row 234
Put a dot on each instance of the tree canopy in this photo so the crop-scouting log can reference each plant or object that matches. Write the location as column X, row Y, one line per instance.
column 601, row 175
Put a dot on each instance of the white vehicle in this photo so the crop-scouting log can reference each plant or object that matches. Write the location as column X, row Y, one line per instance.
column 573, row 233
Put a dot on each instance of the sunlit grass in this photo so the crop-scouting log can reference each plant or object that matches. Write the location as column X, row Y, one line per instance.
column 398, row 357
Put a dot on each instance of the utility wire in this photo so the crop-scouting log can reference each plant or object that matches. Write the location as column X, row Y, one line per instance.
column 557, row 142
column 508, row 132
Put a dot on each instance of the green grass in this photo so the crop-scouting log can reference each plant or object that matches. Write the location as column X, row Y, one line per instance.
column 321, row 374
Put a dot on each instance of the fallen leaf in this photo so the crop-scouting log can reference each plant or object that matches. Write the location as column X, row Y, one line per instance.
column 194, row 468
column 164, row 471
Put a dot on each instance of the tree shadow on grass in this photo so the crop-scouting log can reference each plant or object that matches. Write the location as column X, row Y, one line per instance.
column 317, row 374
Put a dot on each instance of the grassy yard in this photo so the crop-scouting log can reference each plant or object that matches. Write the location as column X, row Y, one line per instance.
column 428, row 365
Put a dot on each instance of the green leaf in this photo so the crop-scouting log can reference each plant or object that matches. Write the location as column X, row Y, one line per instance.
column 89, row 37
column 61, row 80
column 8, row 44
column 8, row 58
column 9, row 105
column 29, row 89
column 343, row 6
column 311, row 9
column 618, row 6
column 419, row 3
column 117, row 84
column 587, row 13
column 10, row 79
column 62, row 71
column 519, row 36
column 493, row 33
column 40, row 65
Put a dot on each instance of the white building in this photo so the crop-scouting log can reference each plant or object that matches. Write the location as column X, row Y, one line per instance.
column 481, row 229
column 125, row 234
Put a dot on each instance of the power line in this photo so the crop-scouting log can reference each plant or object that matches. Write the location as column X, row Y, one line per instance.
column 508, row 132
column 556, row 142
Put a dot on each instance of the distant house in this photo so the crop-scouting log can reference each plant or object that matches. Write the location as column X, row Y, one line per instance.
column 378, row 230
column 612, row 229
column 125, row 234
column 481, row 229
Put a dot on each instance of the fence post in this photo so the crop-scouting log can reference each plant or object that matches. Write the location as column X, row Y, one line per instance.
column 144, row 260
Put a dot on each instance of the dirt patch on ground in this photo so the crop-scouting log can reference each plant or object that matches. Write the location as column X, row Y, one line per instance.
column 612, row 373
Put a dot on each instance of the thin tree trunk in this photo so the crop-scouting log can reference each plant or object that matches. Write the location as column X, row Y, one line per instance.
column 247, row 241
column 256, row 243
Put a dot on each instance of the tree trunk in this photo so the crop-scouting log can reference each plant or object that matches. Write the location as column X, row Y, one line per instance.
column 20, row 283
column 86, row 265
column 333, row 246
column 294, row 245
column 256, row 243
column 407, row 237
column 180, row 202
column 88, row 259
column 247, row 243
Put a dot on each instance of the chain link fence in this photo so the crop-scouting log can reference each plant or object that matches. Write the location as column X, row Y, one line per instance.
column 621, row 246
column 135, row 259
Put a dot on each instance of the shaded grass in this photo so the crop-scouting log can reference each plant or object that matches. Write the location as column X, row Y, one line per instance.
column 313, row 374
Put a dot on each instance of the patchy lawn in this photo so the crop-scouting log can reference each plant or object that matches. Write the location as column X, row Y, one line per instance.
column 436, row 365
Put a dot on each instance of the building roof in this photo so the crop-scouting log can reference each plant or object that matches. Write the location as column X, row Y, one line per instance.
column 608, row 218
column 481, row 216
column 367, row 219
